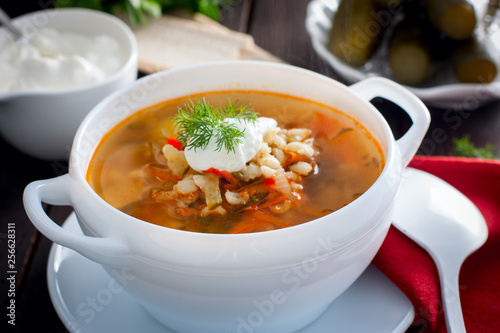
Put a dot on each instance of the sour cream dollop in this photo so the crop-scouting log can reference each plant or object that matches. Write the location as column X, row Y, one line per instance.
column 223, row 160
column 55, row 60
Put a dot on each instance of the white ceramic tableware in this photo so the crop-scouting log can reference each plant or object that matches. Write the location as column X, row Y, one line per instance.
column 43, row 124
column 442, row 90
column 445, row 223
column 275, row 281
column 373, row 297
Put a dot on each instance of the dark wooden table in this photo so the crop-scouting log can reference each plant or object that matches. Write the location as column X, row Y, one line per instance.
column 277, row 26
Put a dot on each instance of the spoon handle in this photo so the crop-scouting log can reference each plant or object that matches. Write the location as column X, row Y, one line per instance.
column 6, row 21
column 448, row 275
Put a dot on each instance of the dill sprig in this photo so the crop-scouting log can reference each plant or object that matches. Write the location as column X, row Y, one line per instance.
column 199, row 121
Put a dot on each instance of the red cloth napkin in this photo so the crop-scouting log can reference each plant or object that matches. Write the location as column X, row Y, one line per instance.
column 414, row 272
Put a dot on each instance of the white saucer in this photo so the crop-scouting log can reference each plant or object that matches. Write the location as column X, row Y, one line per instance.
column 87, row 300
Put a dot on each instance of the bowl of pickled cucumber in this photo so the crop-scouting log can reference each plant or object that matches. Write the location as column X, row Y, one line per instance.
column 447, row 52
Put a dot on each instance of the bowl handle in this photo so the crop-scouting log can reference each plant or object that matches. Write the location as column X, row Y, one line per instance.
column 380, row 87
column 56, row 191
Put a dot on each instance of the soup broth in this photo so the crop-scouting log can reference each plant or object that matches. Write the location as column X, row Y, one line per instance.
column 128, row 169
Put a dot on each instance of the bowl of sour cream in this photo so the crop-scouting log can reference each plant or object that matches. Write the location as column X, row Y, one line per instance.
column 73, row 59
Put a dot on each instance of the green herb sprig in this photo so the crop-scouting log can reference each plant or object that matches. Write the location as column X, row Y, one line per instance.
column 465, row 148
column 138, row 10
column 199, row 121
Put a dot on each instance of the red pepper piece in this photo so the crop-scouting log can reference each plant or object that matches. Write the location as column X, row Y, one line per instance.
column 223, row 174
column 172, row 140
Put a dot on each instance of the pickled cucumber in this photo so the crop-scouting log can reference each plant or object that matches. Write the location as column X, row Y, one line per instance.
column 473, row 62
column 455, row 18
column 410, row 58
column 357, row 29
column 425, row 35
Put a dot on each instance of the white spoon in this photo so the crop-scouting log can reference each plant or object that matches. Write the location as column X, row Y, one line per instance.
column 445, row 223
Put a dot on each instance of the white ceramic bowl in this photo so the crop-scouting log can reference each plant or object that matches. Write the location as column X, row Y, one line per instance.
column 443, row 90
column 275, row 281
column 43, row 123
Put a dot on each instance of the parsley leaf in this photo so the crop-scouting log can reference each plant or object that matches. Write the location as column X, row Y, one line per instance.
column 138, row 10
column 465, row 148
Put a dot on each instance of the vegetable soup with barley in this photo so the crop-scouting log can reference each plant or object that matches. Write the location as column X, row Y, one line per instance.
column 234, row 162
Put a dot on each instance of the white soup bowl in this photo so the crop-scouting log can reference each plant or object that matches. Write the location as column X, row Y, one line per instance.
column 274, row 281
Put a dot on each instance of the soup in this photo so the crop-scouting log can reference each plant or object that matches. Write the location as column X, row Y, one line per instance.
column 314, row 162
